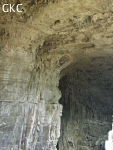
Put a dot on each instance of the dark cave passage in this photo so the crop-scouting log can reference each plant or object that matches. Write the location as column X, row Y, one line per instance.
column 87, row 104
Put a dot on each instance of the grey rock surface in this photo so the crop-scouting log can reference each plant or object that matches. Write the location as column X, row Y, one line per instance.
column 38, row 47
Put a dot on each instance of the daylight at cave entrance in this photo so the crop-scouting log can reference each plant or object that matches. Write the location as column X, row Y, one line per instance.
column 56, row 74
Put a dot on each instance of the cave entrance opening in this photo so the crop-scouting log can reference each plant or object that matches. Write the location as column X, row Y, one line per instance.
column 109, row 141
column 87, row 104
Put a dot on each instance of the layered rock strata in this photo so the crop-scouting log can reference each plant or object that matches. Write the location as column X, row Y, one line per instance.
column 35, row 46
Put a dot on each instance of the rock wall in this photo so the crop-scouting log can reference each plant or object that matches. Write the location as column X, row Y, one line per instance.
column 29, row 109
column 35, row 46
column 86, row 117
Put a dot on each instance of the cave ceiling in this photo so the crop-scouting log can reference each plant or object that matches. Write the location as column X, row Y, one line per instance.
column 70, row 33
column 60, row 26
column 49, row 41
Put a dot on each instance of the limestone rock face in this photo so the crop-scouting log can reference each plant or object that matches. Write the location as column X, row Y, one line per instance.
column 86, row 117
column 40, row 46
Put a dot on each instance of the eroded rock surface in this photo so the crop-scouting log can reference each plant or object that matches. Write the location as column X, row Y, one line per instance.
column 35, row 46
column 87, row 105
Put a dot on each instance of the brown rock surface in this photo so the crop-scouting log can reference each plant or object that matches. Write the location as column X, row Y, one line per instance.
column 40, row 46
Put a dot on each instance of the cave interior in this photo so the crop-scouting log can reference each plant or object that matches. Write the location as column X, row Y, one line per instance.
column 56, row 74
column 87, row 95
